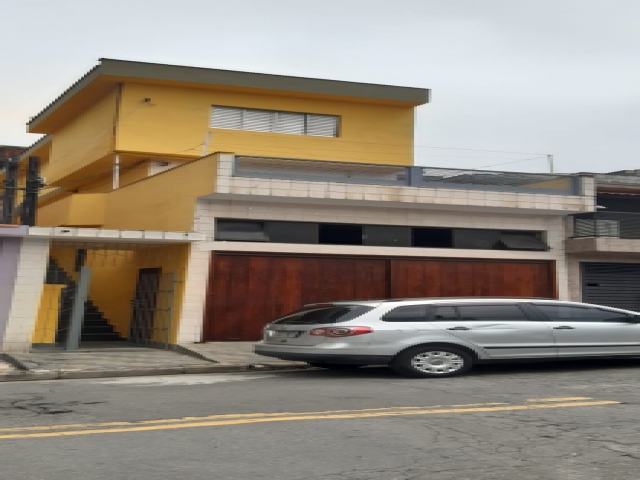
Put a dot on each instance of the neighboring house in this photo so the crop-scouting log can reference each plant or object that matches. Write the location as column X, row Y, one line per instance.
column 304, row 188
column 9, row 151
column 604, row 248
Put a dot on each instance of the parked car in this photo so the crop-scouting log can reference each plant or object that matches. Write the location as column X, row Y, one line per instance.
column 442, row 337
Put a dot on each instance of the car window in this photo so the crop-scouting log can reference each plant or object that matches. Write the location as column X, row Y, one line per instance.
column 571, row 313
column 442, row 314
column 316, row 315
column 409, row 313
column 491, row 312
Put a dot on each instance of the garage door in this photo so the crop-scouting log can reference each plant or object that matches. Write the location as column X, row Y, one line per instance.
column 245, row 292
column 612, row 284
column 455, row 278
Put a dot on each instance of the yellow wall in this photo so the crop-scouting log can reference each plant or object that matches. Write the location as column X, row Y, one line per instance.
column 47, row 320
column 165, row 201
column 563, row 183
column 112, row 286
column 114, row 275
column 83, row 209
column 85, row 139
column 177, row 119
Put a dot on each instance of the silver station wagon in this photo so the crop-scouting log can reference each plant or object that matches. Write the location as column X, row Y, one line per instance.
column 442, row 337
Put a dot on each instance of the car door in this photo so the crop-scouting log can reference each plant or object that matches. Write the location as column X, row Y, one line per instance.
column 502, row 330
column 580, row 330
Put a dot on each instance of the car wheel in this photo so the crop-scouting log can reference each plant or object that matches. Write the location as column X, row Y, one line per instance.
column 334, row 366
column 432, row 361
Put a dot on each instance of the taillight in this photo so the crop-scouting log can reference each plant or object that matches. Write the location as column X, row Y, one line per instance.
column 334, row 332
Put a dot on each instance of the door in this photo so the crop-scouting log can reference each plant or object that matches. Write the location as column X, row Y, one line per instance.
column 465, row 278
column 247, row 291
column 144, row 304
column 612, row 284
column 580, row 330
column 502, row 330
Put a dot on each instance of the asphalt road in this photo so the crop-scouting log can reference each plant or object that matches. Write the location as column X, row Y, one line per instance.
column 565, row 421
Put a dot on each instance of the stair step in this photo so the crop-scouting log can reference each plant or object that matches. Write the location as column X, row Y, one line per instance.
column 98, row 329
column 90, row 337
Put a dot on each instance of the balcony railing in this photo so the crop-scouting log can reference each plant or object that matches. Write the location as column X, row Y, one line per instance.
column 607, row 224
column 423, row 177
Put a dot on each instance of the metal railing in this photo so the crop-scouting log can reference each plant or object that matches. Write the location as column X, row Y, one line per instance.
column 624, row 225
column 425, row 177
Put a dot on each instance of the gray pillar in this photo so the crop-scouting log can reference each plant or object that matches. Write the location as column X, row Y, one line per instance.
column 9, row 256
column 77, row 312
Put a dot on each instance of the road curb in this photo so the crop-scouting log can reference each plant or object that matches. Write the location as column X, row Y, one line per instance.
column 22, row 376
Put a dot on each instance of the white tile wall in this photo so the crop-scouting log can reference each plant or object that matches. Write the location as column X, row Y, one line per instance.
column 32, row 267
column 192, row 312
column 399, row 194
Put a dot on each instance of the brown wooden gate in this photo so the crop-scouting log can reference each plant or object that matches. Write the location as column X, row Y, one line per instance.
column 247, row 291
column 467, row 278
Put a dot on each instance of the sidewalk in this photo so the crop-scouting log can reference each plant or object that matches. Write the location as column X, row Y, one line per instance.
column 119, row 359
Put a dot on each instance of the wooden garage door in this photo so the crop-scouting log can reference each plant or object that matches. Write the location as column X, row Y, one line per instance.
column 462, row 278
column 245, row 292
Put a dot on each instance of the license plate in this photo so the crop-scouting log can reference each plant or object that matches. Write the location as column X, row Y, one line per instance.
column 283, row 334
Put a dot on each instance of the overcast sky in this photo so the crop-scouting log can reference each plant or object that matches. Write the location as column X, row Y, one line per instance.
column 545, row 76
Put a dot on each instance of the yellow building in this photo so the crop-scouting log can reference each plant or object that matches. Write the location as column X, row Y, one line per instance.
column 125, row 121
column 134, row 145
column 297, row 190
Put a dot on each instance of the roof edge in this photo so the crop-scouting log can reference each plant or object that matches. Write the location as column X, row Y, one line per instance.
column 201, row 75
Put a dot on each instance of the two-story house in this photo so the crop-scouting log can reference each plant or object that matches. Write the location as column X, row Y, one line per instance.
column 305, row 189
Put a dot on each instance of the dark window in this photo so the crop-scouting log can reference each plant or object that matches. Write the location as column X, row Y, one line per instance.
column 376, row 235
column 442, row 314
column 491, row 312
column 387, row 236
column 571, row 313
column 521, row 241
column 292, row 232
column 239, row 230
column 475, row 238
column 432, row 237
column 410, row 313
column 340, row 234
column 317, row 315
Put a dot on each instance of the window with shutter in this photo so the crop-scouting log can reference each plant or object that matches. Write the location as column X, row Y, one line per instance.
column 254, row 120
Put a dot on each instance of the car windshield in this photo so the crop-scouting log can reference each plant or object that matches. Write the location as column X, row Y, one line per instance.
column 312, row 315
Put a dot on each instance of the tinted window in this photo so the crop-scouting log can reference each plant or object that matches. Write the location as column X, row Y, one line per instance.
column 410, row 313
column 316, row 315
column 387, row 236
column 567, row 313
column 292, row 232
column 445, row 313
column 491, row 312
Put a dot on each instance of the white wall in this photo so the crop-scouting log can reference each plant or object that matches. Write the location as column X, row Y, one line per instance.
column 32, row 267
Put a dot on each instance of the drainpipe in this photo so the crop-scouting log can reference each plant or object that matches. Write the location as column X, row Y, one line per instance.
column 116, row 172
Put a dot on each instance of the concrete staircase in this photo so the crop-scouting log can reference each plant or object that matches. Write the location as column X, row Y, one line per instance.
column 96, row 328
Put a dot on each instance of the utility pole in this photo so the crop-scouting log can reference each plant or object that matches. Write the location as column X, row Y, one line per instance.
column 10, row 188
column 550, row 162
column 33, row 185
